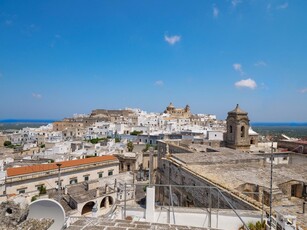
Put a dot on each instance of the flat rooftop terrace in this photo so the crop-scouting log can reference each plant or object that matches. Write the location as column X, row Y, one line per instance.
column 231, row 169
column 117, row 224
column 223, row 157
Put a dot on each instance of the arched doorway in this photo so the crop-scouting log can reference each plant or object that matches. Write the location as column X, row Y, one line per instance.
column 106, row 202
column 111, row 201
column 87, row 208
column 103, row 203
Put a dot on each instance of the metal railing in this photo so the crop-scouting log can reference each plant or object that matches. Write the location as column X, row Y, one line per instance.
column 169, row 204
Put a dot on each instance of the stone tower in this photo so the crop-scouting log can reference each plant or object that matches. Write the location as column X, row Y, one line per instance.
column 237, row 130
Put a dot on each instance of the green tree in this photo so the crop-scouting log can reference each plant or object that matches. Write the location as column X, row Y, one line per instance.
column 135, row 133
column 146, row 148
column 7, row 143
column 42, row 190
column 130, row 146
column 117, row 139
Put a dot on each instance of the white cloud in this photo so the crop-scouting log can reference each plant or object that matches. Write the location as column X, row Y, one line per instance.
column 246, row 83
column 238, row 67
column 303, row 90
column 215, row 12
column 172, row 40
column 37, row 95
column 235, row 2
column 159, row 83
column 283, row 6
column 260, row 63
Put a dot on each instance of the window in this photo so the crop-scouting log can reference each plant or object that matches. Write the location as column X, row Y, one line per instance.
column 86, row 177
column 230, row 128
column 110, row 172
column 73, row 180
column 242, row 131
column 100, row 174
column 128, row 167
column 21, row 190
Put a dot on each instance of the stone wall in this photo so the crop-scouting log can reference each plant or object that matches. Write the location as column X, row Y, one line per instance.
column 299, row 147
column 198, row 194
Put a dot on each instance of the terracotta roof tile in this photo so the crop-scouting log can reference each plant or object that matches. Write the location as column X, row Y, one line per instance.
column 65, row 164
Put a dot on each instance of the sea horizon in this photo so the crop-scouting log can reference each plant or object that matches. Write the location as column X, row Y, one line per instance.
column 28, row 120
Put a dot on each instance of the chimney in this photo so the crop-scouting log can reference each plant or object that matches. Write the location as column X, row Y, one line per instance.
column 97, row 192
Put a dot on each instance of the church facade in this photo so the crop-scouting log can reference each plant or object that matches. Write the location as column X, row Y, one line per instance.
column 178, row 112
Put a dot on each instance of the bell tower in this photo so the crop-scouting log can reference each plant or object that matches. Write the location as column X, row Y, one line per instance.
column 237, row 129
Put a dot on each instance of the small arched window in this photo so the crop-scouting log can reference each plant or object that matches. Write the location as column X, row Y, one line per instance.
column 230, row 129
column 242, row 131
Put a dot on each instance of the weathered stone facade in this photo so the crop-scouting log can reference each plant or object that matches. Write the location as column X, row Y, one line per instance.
column 12, row 214
column 178, row 112
column 198, row 192
column 237, row 130
column 294, row 146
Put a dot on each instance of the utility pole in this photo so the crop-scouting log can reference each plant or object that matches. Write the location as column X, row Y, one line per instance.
column 271, row 186
column 151, row 152
column 59, row 181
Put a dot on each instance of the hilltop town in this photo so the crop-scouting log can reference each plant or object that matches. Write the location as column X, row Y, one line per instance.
column 100, row 165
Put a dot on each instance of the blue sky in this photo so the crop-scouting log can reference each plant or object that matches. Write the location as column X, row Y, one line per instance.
column 58, row 58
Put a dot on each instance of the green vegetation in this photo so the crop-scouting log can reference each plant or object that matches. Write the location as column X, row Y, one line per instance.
column 42, row 190
column 136, row 133
column 117, row 139
column 155, row 147
column 42, row 146
column 257, row 226
column 146, row 148
column 9, row 144
column 34, row 198
column 97, row 140
column 130, row 146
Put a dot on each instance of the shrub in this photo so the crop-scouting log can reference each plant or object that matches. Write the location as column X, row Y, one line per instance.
column 146, row 148
column 34, row 198
column 42, row 190
column 117, row 139
column 135, row 133
column 130, row 146
column 7, row 143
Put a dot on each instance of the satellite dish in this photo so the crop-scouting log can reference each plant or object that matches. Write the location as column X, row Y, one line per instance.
column 48, row 208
